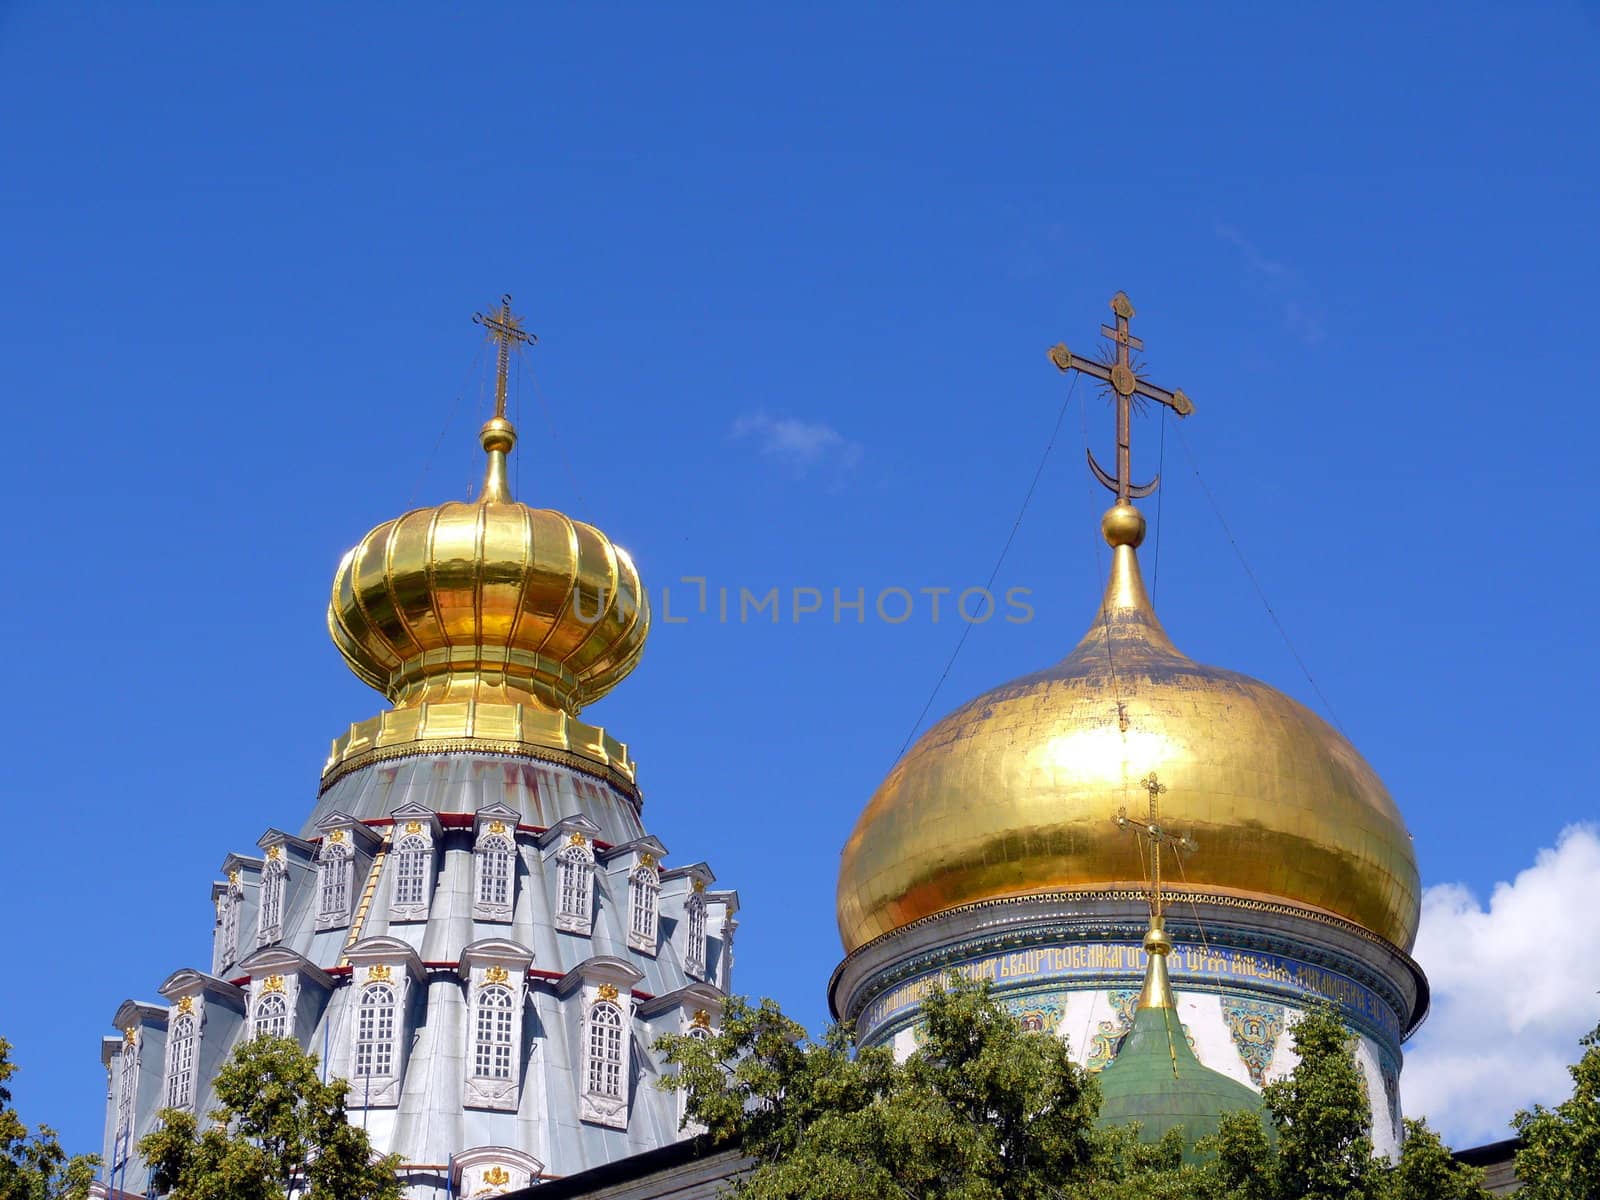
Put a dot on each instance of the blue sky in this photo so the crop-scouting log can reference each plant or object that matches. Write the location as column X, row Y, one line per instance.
column 794, row 275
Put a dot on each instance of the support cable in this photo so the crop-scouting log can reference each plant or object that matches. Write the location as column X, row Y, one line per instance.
column 555, row 437
column 998, row 562
column 1161, row 466
column 1256, row 583
column 455, row 407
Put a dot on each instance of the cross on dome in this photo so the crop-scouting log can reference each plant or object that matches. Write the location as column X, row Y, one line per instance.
column 505, row 331
column 1125, row 384
column 1150, row 830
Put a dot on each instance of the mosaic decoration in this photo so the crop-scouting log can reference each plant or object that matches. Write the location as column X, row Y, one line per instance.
column 1391, row 1091
column 1108, row 1038
column 1062, row 966
column 1256, row 1026
column 1035, row 1014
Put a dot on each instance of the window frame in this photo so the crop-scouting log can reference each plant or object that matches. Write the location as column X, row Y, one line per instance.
column 274, row 895
column 575, row 870
column 644, row 907
column 183, row 1050
column 695, row 934
column 282, row 1015
column 376, row 1041
column 605, row 1052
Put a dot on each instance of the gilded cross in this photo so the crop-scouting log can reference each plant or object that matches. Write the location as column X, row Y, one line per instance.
column 1152, row 830
column 505, row 330
column 1125, row 383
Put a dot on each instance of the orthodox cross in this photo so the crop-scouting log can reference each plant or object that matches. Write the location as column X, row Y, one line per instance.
column 1151, row 830
column 505, row 330
column 1124, row 381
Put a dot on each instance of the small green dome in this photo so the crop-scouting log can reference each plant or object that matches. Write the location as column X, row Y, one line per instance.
column 1157, row 1081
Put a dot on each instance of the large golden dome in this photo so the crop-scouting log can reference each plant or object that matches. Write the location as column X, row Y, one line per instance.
column 488, row 625
column 1015, row 793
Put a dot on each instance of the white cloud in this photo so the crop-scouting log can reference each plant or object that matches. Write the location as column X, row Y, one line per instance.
column 1514, row 987
column 1279, row 283
column 801, row 446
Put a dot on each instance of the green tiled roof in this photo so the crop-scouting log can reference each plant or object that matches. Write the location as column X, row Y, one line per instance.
column 1157, row 1081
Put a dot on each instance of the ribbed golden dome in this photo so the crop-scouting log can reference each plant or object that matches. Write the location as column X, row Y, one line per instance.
column 1015, row 793
column 488, row 621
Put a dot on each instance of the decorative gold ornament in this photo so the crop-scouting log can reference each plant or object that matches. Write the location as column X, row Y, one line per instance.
column 490, row 620
column 496, row 975
column 699, row 885
column 233, row 878
column 186, row 1006
column 700, row 1020
column 380, row 973
column 274, row 853
column 413, row 826
column 577, row 839
column 130, row 1035
column 272, row 983
column 336, row 837
column 647, row 860
column 497, row 1177
column 607, row 991
column 497, row 826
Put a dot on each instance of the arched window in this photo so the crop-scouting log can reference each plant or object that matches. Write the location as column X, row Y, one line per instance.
column 272, row 1016
column 273, row 881
column 694, row 958
column 575, row 887
column 495, row 857
column 227, row 926
column 700, row 1033
column 605, row 1050
column 128, row 1083
column 411, row 870
column 336, row 863
column 375, row 1031
column 644, row 903
column 180, row 1078
column 492, row 1053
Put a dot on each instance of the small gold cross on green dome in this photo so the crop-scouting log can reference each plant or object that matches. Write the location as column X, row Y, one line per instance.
column 1125, row 384
column 1150, row 830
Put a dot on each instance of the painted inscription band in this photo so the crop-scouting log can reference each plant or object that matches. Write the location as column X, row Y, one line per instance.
column 1195, row 965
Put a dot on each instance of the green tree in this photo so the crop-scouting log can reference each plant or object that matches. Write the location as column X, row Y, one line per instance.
column 1321, row 1117
column 980, row 1111
column 1426, row 1171
column 32, row 1164
column 277, row 1132
column 1320, row 1144
column 1560, row 1158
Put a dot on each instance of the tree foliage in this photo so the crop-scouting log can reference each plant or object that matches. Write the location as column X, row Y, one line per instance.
column 32, row 1164
column 983, row 1110
column 1560, row 1158
column 277, row 1131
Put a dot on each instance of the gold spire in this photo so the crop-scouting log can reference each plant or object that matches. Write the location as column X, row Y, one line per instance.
column 498, row 434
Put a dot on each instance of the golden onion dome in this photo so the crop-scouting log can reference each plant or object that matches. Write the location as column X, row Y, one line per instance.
column 1015, row 793
column 487, row 625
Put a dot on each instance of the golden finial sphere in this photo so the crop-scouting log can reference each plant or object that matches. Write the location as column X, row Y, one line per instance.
column 1157, row 941
column 1123, row 525
column 498, row 434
